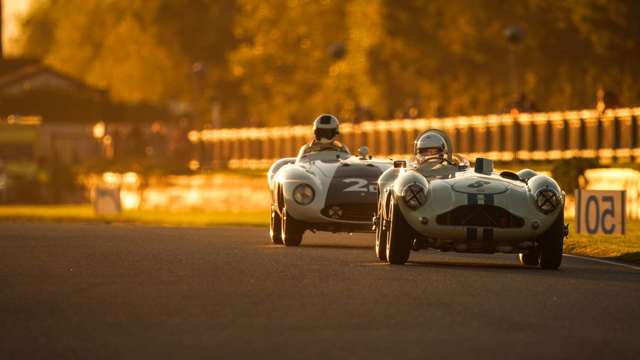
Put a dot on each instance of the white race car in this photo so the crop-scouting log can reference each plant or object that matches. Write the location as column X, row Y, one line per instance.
column 450, row 206
column 329, row 190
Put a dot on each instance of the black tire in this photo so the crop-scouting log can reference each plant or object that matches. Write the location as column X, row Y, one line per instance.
column 399, row 237
column 381, row 236
column 551, row 243
column 291, row 231
column 275, row 227
column 529, row 258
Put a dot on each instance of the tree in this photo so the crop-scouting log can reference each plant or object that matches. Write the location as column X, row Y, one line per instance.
column 268, row 62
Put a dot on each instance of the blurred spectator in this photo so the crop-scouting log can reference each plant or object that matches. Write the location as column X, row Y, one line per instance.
column 523, row 104
column 136, row 143
column 62, row 181
column 180, row 145
column 118, row 143
column 4, row 183
column 363, row 113
column 43, row 177
column 606, row 99
column 411, row 110
column 158, row 141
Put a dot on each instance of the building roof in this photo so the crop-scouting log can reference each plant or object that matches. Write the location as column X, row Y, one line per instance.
column 9, row 65
column 28, row 87
column 19, row 76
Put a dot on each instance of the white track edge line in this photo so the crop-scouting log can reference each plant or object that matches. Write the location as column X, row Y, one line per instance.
column 604, row 261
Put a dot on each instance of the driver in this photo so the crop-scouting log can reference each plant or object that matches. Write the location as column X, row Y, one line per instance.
column 430, row 148
column 325, row 132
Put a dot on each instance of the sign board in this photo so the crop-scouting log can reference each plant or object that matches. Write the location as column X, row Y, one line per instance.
column 600, row 211
column 106, row 201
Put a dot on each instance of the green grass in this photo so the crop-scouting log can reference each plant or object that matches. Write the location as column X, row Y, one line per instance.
column 84, row 213
column 616, row 247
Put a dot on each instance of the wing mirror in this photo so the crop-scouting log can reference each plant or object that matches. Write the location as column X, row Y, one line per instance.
column 363, row 151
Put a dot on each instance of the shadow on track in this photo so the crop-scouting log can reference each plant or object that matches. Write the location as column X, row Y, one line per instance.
column 567, row 271
column 321, row 246
column 469, row 264
column 337, row 246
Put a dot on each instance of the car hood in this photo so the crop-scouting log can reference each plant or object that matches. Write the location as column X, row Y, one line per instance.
column 354, row 183
column 470, row 182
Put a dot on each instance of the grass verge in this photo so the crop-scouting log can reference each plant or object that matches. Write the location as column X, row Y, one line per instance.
column 614, row 247
column 84, row 213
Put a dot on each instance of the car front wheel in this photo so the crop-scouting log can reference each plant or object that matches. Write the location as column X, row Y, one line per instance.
column 529, row 258
column 275, row 227
column 551, row 243
column 381, row 237
column 399, row 237
column 292, row 230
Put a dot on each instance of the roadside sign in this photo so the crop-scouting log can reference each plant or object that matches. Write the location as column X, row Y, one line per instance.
column 600, row 211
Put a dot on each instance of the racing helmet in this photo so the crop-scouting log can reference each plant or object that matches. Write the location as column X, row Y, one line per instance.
column 430, row 147
column 326, row 128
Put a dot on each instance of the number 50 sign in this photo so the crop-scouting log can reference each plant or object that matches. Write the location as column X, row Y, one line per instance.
column 600, row 211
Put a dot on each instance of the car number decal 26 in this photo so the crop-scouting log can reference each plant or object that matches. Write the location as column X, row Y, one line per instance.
column 360, row 185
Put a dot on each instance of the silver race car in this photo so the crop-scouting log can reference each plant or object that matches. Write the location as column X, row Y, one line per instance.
column 328, row 190
column 440, row 202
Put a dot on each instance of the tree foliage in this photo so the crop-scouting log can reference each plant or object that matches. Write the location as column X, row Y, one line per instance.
column 285, row 61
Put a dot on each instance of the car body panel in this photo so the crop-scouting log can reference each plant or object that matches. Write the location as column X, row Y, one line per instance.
column 445, row 195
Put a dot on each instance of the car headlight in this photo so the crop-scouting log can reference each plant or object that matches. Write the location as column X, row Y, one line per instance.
column 547, row 200
column 414, row 195
column 303, row 194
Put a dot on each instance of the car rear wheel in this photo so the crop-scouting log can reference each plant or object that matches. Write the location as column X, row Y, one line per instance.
column 399, row 237
column 529, row 258
column 381, row 237
column 275, row 228
column 291, row 230
column 551, row 244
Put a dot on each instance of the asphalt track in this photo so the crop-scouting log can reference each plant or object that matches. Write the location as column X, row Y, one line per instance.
column 125, row 291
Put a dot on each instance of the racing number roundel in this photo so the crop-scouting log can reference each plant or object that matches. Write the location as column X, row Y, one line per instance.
column 479, row 186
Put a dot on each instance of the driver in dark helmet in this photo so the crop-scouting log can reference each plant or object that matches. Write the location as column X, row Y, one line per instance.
column 325, row 132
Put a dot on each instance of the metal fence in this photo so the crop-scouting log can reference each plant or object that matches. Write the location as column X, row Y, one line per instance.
column 612, row 136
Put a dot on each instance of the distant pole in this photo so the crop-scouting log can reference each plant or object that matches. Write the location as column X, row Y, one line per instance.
column 1, row 34
column 199, row 71
column 513, row 73
column 514, row 36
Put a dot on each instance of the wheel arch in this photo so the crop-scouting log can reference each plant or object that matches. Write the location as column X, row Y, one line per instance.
column 275, row 167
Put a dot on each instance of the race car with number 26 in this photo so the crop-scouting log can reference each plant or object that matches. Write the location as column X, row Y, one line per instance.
column 329, row 190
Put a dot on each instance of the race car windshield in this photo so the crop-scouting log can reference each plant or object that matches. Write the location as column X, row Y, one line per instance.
column 461, row 161
column 327, row 156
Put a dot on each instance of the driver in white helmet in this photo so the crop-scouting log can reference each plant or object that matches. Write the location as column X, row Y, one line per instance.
column 430, row 148
column 325, row 133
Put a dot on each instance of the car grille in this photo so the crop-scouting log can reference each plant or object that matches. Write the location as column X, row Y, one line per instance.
column 480, row 215
column 349, row 212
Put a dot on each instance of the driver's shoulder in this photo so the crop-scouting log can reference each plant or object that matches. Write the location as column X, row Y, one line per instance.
column 340, row 146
